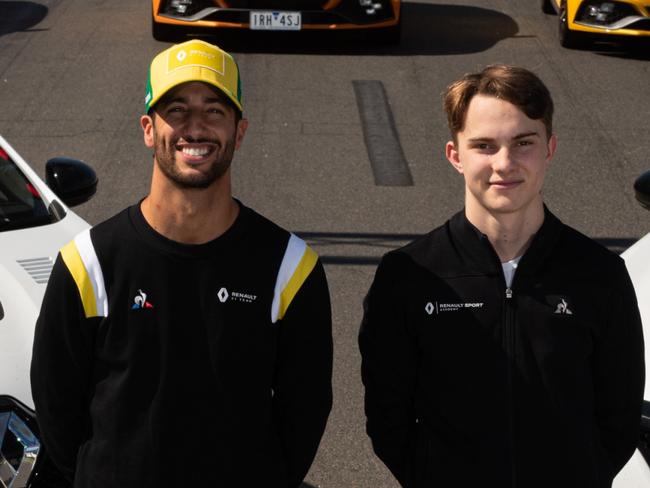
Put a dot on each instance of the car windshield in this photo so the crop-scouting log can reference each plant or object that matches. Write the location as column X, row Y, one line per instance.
column 21, row 204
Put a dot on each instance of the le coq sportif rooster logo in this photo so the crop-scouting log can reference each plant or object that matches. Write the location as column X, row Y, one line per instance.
column 140, row 301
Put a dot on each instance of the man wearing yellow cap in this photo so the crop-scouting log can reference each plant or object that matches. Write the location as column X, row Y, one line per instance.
column 187, row 340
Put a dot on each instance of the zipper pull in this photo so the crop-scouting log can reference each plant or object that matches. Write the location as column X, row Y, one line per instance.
column 508, row 292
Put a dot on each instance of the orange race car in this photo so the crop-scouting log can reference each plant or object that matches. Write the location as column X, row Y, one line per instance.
column 172, row 17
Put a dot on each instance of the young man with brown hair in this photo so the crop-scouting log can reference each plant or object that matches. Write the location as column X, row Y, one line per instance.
column 187, row 340
column 503, row 348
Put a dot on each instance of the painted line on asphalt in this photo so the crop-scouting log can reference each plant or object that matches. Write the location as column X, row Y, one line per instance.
column 389, row 165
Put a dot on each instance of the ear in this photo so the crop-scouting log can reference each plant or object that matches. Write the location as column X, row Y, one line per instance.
column 551, row 146
column 452, row 155
column 242, row 126
column 146, row 122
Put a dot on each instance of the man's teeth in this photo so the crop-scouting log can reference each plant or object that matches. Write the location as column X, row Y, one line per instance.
column 194, row 151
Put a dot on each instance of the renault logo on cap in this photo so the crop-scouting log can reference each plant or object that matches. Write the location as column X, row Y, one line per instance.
column 208, row 57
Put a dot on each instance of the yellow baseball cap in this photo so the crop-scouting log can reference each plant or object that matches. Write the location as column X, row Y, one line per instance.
column 193, row 61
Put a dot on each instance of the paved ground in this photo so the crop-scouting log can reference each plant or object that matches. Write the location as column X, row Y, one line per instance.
column 72, row 78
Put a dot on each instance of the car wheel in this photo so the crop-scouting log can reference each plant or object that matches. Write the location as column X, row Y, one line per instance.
column 568, row 38
column 547, row 7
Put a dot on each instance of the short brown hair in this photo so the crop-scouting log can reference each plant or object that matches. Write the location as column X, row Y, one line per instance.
column 513, row 84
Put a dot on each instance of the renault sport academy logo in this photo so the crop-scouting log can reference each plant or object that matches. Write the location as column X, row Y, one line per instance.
column 440, row 307
column 236, row 296
column 140, row 301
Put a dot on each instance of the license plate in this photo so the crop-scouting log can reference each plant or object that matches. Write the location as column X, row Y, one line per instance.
column 269, row 20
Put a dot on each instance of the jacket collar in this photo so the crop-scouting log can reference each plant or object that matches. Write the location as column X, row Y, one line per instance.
column 477, row 252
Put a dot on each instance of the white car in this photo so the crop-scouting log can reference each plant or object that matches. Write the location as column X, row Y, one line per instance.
column 636, row 472
column 35, row 222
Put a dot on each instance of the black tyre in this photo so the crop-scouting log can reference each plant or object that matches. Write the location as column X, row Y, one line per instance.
column 568, row 38
column 547, row 7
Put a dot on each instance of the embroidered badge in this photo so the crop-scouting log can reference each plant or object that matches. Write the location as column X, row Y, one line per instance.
column 140, row 301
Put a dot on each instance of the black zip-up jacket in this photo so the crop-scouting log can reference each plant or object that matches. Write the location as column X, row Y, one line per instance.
column 470, row 383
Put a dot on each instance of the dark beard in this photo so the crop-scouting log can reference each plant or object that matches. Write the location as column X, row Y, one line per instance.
column 167, row 164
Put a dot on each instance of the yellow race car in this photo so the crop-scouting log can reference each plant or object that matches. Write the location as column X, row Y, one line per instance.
column 581, row 19
column 170, row 18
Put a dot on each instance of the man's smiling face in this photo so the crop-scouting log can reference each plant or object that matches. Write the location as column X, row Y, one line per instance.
column 503, row 156
column 194, row 133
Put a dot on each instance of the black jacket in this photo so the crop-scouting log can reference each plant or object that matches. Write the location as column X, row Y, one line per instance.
column 159, row 364
column 469, row 383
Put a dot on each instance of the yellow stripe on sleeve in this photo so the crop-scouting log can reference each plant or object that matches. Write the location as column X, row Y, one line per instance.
column 302, row 271
column 73, row 261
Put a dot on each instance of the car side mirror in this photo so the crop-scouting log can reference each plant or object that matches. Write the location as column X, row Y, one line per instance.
column 642, row 190
column 73, row 181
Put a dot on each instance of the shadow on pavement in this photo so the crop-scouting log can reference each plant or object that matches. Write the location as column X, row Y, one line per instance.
column 427, row 29
column 616, row 244
column 637, row 49
column 335, row 247
column 367, row 248
column 20, row 16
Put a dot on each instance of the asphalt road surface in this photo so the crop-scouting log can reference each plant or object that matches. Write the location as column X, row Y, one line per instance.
column 324, row 112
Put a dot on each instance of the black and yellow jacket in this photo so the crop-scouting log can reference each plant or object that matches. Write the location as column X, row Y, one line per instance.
column 158, row 364
column 471, row 383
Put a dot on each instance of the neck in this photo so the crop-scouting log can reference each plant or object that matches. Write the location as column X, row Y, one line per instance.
column 509, row 233
column 190, row 216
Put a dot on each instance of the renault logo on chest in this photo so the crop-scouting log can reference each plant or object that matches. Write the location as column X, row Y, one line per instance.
column 222, row 295
column 235, row 296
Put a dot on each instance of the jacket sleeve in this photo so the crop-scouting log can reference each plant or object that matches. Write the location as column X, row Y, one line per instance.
column 303, row 381
column 60, row 370
column 619, row 375
column 388, row 371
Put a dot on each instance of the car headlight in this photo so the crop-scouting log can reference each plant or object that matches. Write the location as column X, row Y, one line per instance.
column 371, row 6
column 19, row 444
column 604, row 13
column 184, row 8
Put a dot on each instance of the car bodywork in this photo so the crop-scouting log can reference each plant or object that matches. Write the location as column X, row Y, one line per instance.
column 636, row 472
column 35, row 222
column 169, row 17
column 580, row 19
